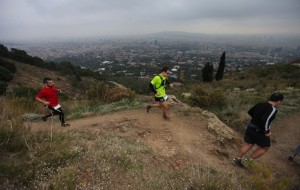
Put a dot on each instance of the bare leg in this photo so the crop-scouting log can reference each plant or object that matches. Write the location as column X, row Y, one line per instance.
column 165, row 109
column 155, row 105
column 161, row 105
column 150, row 106
column 244, row 149
column 259, row 152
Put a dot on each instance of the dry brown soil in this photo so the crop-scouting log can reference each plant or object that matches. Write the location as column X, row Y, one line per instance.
column 187, row 137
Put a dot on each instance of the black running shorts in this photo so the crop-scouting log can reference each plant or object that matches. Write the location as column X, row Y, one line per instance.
column 252, row 136
column 159, row 99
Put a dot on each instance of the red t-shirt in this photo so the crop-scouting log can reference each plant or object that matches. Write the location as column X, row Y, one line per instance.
column 50, row 95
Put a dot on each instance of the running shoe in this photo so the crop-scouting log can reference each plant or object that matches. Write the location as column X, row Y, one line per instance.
column 65, row 124
column 148, row 108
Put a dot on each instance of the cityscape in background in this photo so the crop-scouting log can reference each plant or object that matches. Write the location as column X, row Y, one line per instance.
column 185, row 53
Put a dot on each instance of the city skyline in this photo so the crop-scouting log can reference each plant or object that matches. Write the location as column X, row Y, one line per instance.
column 26, row 20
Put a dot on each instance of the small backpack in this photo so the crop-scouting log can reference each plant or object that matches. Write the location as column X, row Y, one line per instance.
column 163, row 82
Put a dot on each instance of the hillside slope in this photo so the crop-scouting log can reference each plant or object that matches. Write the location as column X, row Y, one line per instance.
column 187, row 139
column 192, row 136
column 32, row 77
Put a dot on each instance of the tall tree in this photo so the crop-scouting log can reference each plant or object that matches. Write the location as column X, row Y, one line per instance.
column 207, row 72
column 4, row 51
column 221, row 68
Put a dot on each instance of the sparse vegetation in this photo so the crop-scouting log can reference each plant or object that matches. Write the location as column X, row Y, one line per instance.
column 102, row 92
column 86, row 109
column 207, row 98
column 10, row 66
column 3, row 86
column 100, row 159
column 24, row 92
column 5, row 74
column 261, row 178
column 231, row 97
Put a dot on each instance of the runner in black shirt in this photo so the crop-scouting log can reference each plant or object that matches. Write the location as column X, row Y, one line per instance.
column 258, row 130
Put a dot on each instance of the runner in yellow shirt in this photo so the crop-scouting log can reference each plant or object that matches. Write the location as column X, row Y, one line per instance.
column 158, row 87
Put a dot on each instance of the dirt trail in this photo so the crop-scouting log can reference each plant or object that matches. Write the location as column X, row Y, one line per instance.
column 285, row 138
column 187, row 137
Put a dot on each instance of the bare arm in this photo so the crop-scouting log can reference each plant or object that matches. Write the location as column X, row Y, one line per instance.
column 42, row 101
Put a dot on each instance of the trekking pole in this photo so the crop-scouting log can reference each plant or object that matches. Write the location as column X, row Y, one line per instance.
column 51, row 133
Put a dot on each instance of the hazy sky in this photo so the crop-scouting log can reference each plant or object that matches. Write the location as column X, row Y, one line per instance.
column 40, row 19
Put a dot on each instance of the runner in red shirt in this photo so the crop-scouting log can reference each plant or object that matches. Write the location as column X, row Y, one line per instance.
column 48, row 96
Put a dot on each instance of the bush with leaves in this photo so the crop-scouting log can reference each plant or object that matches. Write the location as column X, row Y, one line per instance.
column 4, row 51
column 207, row 98
column 5, row 74
column 103, row 92
column 117, row 94
column 8, row 65
column 98, row 91
column 25, row 92
column 3, row 86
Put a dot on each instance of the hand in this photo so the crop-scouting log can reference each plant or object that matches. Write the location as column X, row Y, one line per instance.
column 59, row 90
column 46, row 103
column 268, row 134
column 157, row 94
column 171, row 85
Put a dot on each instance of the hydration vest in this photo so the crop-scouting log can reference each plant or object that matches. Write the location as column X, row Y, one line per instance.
column 162, row 83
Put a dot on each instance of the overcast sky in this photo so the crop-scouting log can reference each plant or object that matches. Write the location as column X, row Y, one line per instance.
column 40, row 19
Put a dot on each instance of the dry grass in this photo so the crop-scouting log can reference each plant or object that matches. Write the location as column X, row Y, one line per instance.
column 240, row 91
column 100, row 159
column 85, row 159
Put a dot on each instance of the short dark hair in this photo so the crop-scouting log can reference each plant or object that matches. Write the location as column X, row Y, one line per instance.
column 45, row 80
column 276, row 96
column 165, row 69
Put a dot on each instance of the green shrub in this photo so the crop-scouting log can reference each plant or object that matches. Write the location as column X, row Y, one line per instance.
column 3, row 86
column 25, row 92
column 8, row 65
column 4, row 51
column 207, row 98
column 98, row 92
column 5, row 74
column 117, row 94
column 103, row 92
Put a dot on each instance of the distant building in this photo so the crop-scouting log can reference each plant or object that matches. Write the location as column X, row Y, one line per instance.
column 100, row 70
column 106, row 62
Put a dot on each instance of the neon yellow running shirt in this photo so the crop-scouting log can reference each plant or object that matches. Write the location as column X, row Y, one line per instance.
column 159, row 84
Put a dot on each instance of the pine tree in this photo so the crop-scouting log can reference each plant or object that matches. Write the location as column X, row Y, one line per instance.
column 207, row 72
column 220, row 72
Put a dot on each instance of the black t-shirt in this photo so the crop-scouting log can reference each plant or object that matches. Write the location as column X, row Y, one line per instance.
column 262, row 115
